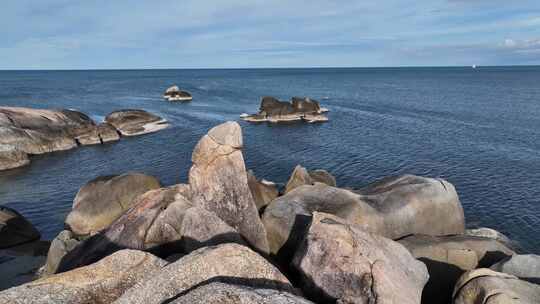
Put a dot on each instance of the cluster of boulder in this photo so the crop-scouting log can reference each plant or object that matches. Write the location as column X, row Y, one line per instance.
column 175, row 94
column 26, row 131
column 298, row 109
column 228, row 237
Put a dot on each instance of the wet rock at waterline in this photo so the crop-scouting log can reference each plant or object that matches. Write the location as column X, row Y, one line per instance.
column 300, row 109
column 15, row 229
column 175, row 94
column 340, row 261
column 21, row 263
column 135, row 122
column 11, row 158
column 218, row 181
column 104, row 199
column 102, row 282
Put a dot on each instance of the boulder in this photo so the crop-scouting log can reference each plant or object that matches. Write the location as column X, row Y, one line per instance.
column 15, row 229
column 226, row 263
column 218, row 181
column 340, row 261
column 448, row 257
column 301, row 176
column 301, row 108
column 135, row 122
column 12, row 158
column 523, row 266
column 492, row 234
column 393, row 208
column 102, row 282
column 103, row 133
column 263, row 191
column 175, row 94
column 490, row 287
column 63, row 243
column 221, row 293
column 102, row 200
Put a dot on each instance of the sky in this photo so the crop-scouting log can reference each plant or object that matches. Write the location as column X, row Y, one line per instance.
column 120, row 34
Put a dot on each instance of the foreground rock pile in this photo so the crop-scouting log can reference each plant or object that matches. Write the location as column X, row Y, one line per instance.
column 299, row 109
column 25, row 131
column 228, row 237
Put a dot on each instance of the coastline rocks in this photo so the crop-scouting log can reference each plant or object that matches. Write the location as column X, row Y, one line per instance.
column 301, row 108
column 103, row 133
column 135, row 122
column 218, row 181
column 490, row 287
column 448, row 257
column 393, row 208
column 524, row 266
column 221, row 293
column 301, row 176
column 492, row 234
column 340, row 261
column 175, row 94
column 63, row 243
column 12, row 158
column 227, row 263
column 263, row 191
column 101, row 282
column 102, row 200
column 15, row 229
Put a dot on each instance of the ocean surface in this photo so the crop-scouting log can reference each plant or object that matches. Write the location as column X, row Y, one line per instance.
column 478, row 128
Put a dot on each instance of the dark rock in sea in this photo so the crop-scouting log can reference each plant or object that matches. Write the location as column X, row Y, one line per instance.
column 135, row 122
column 448, row 257
column 226, row 263
column 523, row 266
column 11, row 158
column 223, row 293
column 63, row 243
column 102, row 282
column 20, row 264
column 218, row 181
column 301, row 108
column 263, row 191
column 175, row 94
column 301, row 176
column 393, row 208
column 102, row 200
column 489, row 287
column 15, row 229
column 341, row 262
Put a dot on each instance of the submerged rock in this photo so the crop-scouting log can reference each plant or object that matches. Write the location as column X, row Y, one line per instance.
column 227, row 263
column 15, row 229
column 11, row 158
column 490, row 287
column 102, row 200
column 393, row 208
column 102, row 282
column 340, row 261
column 136, row 122
column 175, row 94
column 218, row 181
column 301, row 108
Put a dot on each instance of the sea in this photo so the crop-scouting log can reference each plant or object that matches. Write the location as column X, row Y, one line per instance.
column 477, row 128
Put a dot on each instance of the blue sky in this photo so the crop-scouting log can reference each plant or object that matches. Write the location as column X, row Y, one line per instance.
column 100, row 34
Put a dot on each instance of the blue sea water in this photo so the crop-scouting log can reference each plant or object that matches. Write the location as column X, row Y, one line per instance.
column 477, row 128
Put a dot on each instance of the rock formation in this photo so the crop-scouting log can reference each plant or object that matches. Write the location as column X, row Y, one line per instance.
column 524, row 266
column 136, row 122
column 15, row 229
column 301, row 108
column 175, row 94
column 301, row 176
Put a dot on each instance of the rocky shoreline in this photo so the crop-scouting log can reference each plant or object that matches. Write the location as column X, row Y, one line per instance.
column 228, row 237
column 25, row 131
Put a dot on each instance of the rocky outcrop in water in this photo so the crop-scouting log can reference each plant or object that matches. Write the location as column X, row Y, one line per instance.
column 175, row 94
column 524, row 266
column 26, row 131
column 299, row 109
column 15, row 229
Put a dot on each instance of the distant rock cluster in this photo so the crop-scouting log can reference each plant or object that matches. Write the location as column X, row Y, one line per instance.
column 175, row 94
column 298, row 109
column 228, row 237
column 26, row 131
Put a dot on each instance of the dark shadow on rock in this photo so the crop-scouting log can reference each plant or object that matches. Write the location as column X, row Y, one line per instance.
column 298, row 232
column 442, row 279
column 255, row 283
column 491, row 258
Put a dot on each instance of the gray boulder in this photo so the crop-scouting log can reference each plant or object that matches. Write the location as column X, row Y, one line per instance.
column 135, row 122
column 103, row 133
column 393, row 208
column 102, row 200
column 301, row 176
column 222, row 293
column 523, row 266
column 448, row 257
column 263, row 191
column 340, row 261
column 226, row 263
column 63, row 243
column 15, row 229
column 102, row 282
column 12, row 158
column 489, row 287
column 218, row 181
column 492, row 234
